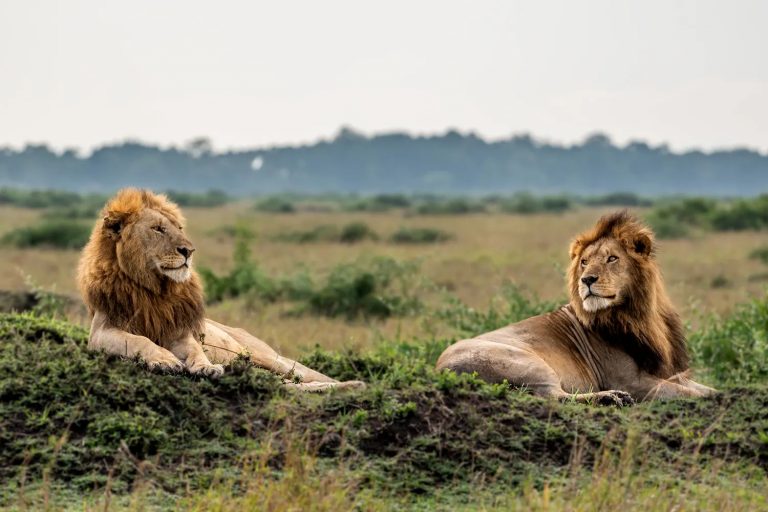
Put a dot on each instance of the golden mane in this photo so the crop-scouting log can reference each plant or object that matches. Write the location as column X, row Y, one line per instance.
column 648, row 325
column 130, row 293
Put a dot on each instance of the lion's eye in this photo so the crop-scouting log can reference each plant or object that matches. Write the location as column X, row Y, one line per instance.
column 159, row 229
column 583, row 263
column 611, row 259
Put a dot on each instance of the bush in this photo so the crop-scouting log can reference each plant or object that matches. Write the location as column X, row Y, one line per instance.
column 450, row 206
column 349, row 234
column 275, row 205
column 419, row 236
column 761, row 253
column 84, row 211
column 208, row 199
column 676, row 219
column 58, row 234
column 245, row 277
column 380, row 203
column 735, row 349
column 511, row 306
column 526, row 203
column 742, row 215
column 322, row 233
column 378, row 289
column 618, row 199
column 707, row 214
column 40, row 198
column 356, row 232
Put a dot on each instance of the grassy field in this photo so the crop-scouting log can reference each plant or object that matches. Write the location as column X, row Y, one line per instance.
column 90, row 432
column 705, row 273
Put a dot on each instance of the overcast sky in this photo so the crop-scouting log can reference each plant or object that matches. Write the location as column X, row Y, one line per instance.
column 84, row 72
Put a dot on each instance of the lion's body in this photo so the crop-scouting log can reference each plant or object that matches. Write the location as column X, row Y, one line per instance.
column 619, row 336
column 136, row 278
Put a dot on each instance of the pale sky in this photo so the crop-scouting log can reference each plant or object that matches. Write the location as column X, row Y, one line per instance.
column 693, row 73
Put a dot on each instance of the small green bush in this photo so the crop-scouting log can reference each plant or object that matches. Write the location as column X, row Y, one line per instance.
column 761, row 254
column 208, row 199
column 41, row 198
column 525, row 203
column 510, row 306
column 58, row 234
column 275, row 205
column 380, row 203
column 245, row 277
column 742, row 215
column 380, row 289
column 419, row 236
column 449, row 206
column 356, row 232
column 735, row 349
column 618, row 199
column 321, row 233
column 349, row 234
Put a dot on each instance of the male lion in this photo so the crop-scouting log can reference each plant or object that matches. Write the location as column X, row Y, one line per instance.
column 136, row 278
column 617, row 340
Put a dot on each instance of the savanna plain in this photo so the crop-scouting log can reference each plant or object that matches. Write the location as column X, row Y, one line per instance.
column 376, row 296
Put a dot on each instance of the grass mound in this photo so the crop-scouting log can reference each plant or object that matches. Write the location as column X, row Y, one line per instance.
column 88, row 420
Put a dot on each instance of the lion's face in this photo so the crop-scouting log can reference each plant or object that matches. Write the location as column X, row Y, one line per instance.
column 154, row 244
column 604, row 276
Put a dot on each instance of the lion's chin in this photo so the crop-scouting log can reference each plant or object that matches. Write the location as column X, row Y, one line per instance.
column 594, row 303
column 179, row 275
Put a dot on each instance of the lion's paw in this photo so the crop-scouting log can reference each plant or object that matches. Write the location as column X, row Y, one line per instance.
column 614, row 398
column 214, row 371
column 165, row 362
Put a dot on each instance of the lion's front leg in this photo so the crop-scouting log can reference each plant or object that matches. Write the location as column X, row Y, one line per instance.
column 121, row 343
column 650, row 387
column 196, row 362
column 224, row 343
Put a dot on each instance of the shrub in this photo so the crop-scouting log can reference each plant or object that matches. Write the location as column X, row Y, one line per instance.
column 618, row 199
column 380, row 203
column 321, row 233
column 741, row 215
column 419, row 236
column 59, row 234
column 349, row 234
column 527, row 203
column 449, row 206
column 40, row 198
column 378, row 289
column 245, row 277
column 512, row 305
column 666, row 228
column 275, row 205
column 356, row 232
column 84, row 211
column 208, row 199
column 735, row 349
column 761, row 253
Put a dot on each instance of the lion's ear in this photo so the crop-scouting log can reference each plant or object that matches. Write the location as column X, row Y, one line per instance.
column 575, row 248
column 113, row 225
column 642, row 244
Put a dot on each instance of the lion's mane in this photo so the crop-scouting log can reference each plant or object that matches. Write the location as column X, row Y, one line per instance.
column 133, row 297
column 646, row 324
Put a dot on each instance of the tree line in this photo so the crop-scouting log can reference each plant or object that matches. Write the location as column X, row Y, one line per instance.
column 450, row 163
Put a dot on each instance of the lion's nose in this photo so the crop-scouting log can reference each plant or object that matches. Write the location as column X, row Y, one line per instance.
column 589, row 280
column 185, row 251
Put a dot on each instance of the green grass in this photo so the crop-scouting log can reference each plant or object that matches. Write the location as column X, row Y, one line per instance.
column 73, row 421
